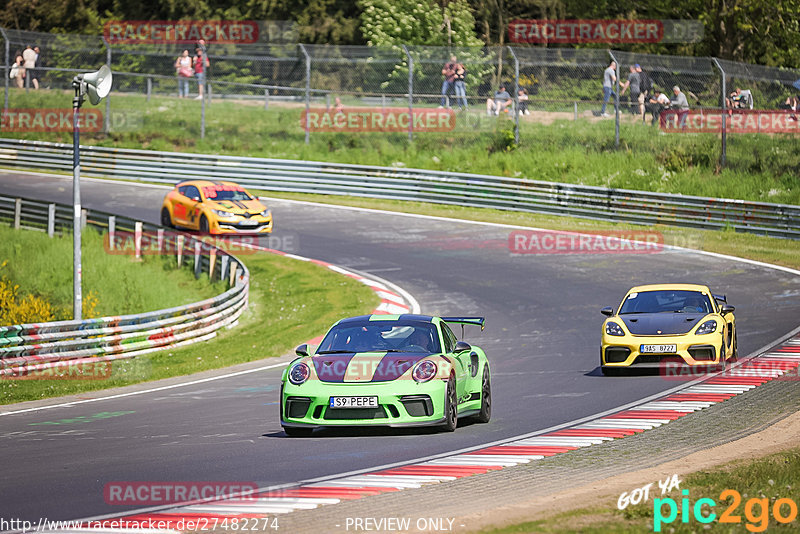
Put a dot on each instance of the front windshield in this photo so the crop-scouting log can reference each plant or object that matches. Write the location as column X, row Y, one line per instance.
column 379, row 336
column 666, row 301
column 226, row 192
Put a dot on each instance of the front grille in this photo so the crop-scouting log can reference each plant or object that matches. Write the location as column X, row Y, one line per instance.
column 339, row 414
column 417, row 405
column 297, row 407
column 617, row 354
column 651, row 358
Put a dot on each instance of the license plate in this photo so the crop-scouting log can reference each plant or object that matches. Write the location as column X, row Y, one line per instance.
column 658, row 349
column 353, row 402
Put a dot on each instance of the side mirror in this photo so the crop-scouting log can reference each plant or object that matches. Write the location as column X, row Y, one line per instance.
column 608, row 311
column 462, row 346
column 726, row 309
column 302, row 350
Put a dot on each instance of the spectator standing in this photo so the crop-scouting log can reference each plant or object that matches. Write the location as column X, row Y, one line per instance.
column 17, row 72
column 645, row 88
column 522, row 98
column 29, row 59
column 201, row 63
column 37, row 63
column 609, row 79
column 448, row 84
column 501, row 102
column 679, row 103
column 460, row 85
column 183, row 68
column 632, row 83
column 338, row 107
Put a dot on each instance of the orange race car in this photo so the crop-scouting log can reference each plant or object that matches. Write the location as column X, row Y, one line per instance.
column 214, row 207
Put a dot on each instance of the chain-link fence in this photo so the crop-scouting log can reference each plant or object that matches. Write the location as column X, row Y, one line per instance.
column 303, row 89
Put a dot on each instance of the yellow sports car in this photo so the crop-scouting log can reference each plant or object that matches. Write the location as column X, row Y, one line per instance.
column 668, row 323
column 215, row 208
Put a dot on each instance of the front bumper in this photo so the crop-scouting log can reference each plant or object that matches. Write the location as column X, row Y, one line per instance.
column 241, row 225
column 693, row 350
column 401, row 402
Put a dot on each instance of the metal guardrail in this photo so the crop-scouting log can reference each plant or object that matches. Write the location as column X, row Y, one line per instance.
column 472, row 190
column 32, row 347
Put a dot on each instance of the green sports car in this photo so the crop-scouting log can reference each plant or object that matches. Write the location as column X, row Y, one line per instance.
column 387, row 370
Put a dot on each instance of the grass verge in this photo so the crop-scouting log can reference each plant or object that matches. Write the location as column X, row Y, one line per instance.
column 760, row 167
column 42, row 266
column 759, row 484
column 290, row 302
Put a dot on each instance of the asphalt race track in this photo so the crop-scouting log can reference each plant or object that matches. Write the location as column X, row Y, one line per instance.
column 542, row 337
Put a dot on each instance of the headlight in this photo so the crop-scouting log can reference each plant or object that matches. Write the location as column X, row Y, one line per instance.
column 266, row 213
column 613, row 329
column 424, row 371
column 299, row 373
column 707, row 327
column 223, row 213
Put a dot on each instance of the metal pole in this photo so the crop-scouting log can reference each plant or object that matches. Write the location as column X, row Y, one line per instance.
column 266, row 98
column 203, row 98
column 107, row 118
column 616, row 102
column 308, row 88
column 724, row 154
column 6, row 70
column 516, row 95
column 410, row 94
column 77, row 298
column 149, row 88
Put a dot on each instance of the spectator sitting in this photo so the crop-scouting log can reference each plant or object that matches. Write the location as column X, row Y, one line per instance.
column 792, row 104
column 657, row 103
column 522, row 98
column 501, row 101
column 740, row 99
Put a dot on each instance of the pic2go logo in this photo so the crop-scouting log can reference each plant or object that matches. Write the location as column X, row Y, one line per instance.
column 756, row 511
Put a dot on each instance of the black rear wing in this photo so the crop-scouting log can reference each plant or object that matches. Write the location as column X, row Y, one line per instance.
column 475, row 321
column 720, row 298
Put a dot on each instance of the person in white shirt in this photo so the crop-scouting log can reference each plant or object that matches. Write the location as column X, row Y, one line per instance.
column 657, row 103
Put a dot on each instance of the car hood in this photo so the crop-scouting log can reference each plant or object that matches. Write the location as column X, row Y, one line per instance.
column 365, row 366
column 661, row 324
column 239, row 207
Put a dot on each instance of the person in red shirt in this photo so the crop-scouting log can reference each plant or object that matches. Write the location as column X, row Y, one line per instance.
column 200, row 63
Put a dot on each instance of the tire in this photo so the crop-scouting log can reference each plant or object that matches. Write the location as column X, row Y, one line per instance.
column 203, row 224
column 166, row 219
column 486, row 397
column 723, row 361
column 298, row 432
column 735, row 356
column 450, row 406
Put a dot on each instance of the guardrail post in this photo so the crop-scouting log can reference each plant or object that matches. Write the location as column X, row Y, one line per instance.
column 149, row 88
column 516, row 94
column 17, row 213
column 575, row 110
column 223, row 268
column 83, row 219
column 160, row 238
column 308, row 88
column 266, row 98
column 212, row 259
column 724, row 151
column 327, row 101
column 51, row 220
column 197, row 266
column 137, row 240
column 112, row 230
column 179, row 248
column 232, row 275
column 616, row 102
column 410, row 93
